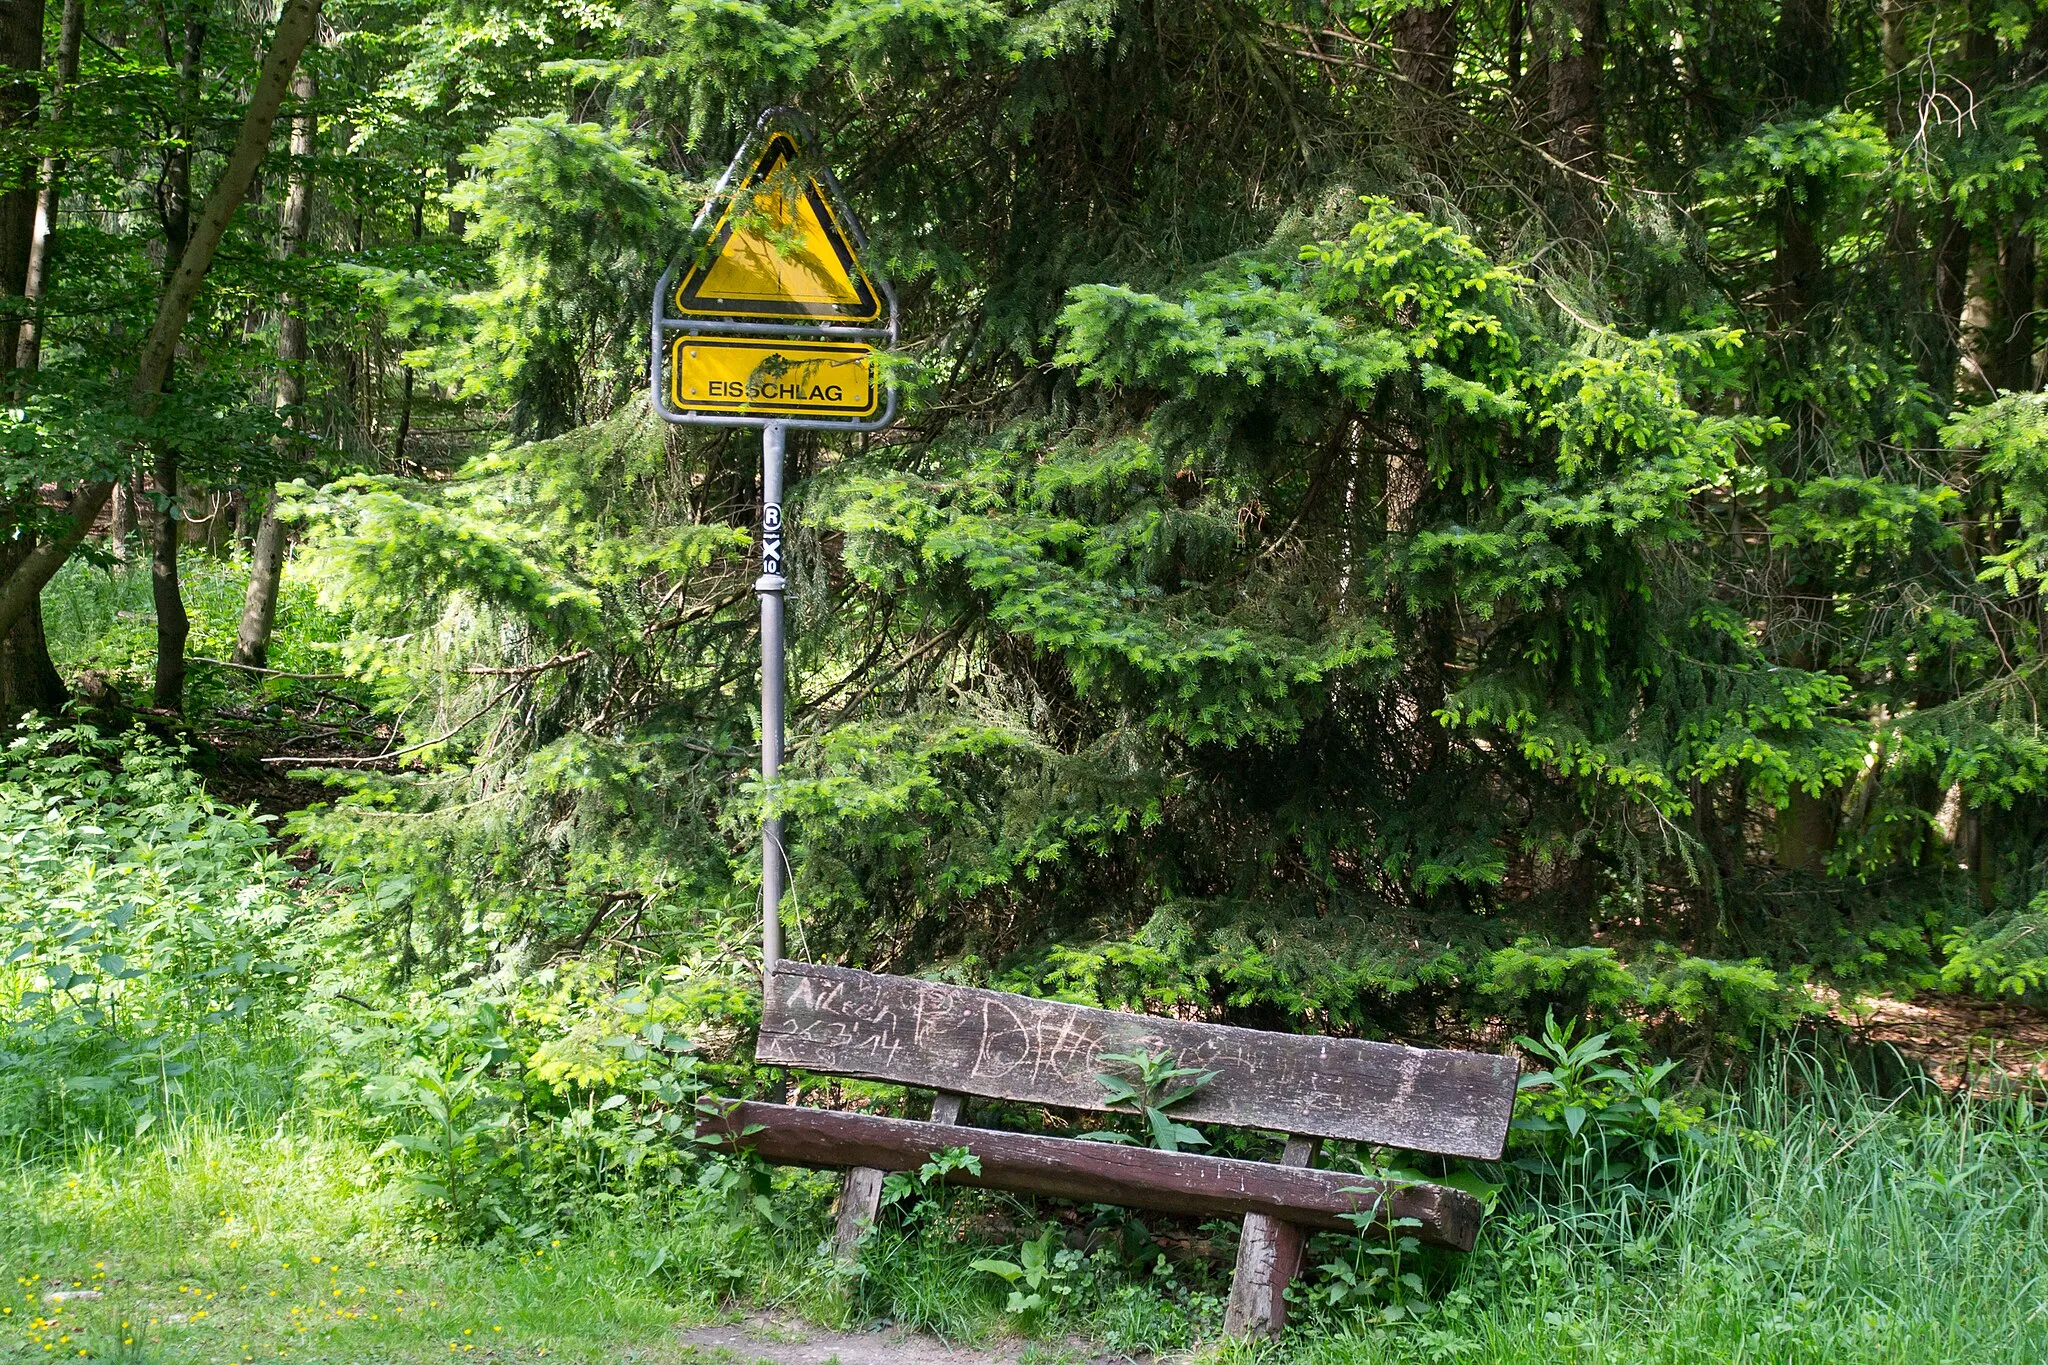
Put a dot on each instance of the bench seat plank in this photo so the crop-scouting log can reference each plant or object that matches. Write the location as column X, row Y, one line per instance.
column 1095, row 1172
column 1012, row 1047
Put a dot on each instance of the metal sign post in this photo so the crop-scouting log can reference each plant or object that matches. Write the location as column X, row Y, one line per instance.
column 775, row 323
column 769, row 588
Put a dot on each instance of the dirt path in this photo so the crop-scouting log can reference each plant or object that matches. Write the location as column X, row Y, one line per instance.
column 776, row 1341
column 1986, row 1046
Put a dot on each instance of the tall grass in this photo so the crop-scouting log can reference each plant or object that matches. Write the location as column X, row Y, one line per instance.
column 104, row 618
column 1830, row 1223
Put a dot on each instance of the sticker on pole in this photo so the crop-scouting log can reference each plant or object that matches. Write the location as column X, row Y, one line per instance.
column 765, row 377
column 781, row 252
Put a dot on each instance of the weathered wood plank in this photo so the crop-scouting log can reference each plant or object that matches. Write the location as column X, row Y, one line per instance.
column 1096, row 1172
column 1268, row 1258
column 1012, row 1047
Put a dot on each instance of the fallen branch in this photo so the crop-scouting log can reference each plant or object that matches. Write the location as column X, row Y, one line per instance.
column 472, row 719
column 272, row 672
column 529, row 670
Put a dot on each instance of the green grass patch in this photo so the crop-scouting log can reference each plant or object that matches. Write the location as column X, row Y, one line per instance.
column 102, row 619
column 234, row 1136
column 1834, row 1226
column 230, row 1243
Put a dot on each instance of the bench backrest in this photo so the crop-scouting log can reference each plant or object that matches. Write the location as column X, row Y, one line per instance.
column 1013, row 1047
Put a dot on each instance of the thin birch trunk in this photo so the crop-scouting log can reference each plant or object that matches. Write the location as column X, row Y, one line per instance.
column 28, row 351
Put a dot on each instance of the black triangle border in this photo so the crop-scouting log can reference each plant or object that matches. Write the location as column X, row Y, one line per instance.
column 781, row 150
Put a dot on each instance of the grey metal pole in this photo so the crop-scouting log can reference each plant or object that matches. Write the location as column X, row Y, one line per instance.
column 769, row 587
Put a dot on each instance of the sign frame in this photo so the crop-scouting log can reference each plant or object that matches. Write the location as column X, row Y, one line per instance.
column 849, row 244
column 818, row 351
column 665, row 325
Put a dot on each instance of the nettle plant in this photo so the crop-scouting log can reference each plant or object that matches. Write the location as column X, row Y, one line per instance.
column 525, row 1107
column 921, row 1195
column 1039, row 1278
column 1376, row 1278
column 142, row 919
column 1597, row 1118
column 1158, row 1083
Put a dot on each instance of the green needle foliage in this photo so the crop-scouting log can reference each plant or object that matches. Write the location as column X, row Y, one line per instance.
column 1402, row 512
column 1356, row 552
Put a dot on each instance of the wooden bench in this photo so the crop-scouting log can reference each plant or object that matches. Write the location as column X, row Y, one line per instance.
column 964, row 1043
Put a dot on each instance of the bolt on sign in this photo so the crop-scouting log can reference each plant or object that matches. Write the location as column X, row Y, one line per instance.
column 775, row 318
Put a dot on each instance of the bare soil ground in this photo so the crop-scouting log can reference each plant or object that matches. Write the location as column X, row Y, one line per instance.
column 1962, row 1043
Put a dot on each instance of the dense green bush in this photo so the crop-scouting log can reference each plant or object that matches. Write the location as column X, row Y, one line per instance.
column 159, row 946
column 145, row 923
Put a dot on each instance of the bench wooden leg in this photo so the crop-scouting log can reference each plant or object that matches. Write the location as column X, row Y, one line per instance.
column 859, row 1200
column 1268, row 1258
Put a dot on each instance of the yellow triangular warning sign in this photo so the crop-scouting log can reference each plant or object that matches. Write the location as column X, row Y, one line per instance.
column 781, row 251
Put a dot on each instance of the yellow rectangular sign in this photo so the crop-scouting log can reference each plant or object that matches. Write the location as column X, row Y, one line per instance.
column 769, row 378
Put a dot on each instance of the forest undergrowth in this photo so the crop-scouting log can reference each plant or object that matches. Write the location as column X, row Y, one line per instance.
column 233, row 1134
column 1834, row 1224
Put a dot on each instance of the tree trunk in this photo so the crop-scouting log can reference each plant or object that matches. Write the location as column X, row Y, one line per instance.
column 1578, row 132
column 28, row 352
column 81, row 509
column 1809, row 77
column 122, row 531
column 266, row 567
column 404, row 421
column 174, row 207
column 1951, row 250
column 1518, row 23
column 1426, row 56
column 457, row 224
column 419, row 227
column 1981, row 320
column 1804, row 58
column 1997, row 331
column 1806, row 830
column 2012, row 350
column 174, row 189
column 172, row 626
column 220, row 525
column 28, row 677
column 21, row 51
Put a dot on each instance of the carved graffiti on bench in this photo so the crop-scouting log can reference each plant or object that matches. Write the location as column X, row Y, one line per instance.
column 1047, row 1052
